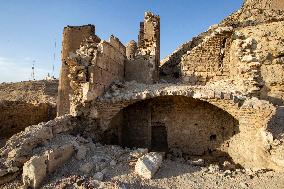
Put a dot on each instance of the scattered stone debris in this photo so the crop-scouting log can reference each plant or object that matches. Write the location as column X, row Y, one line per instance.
column 199, row 162
column 229, row 79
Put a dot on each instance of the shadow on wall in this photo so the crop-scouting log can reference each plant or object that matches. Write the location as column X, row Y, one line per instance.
column 15, row 116
column 265, row 95
column 174, row 123
column 276, row 124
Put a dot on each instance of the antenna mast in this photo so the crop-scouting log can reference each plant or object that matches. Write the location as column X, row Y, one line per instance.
column 33, row 70
column 54, row 58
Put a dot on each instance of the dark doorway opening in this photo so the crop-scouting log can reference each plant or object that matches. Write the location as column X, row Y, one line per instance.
column 159, row 139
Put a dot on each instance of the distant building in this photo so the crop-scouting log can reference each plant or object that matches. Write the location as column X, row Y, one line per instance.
column 49, row 78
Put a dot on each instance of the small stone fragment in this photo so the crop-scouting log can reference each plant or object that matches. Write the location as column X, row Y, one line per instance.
column 213, row 168
column 86, row 168
column 98, row 176
column 139, row 152
column 112, row 163
column 81, row 154
column 198, row 162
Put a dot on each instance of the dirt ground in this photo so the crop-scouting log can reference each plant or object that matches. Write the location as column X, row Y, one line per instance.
column 116, row 164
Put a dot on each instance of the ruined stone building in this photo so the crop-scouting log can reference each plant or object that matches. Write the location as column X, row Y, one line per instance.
column 209, row 97
column 221, row 93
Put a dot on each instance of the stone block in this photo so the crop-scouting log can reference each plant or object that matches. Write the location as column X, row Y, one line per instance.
column 86, row 168
column 148, row 164
column 34, row 171
column 58, row 156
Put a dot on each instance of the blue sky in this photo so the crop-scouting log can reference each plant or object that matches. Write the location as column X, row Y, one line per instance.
column 29, row 28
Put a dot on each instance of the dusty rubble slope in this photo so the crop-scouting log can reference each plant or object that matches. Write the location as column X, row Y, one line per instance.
column 67, row 152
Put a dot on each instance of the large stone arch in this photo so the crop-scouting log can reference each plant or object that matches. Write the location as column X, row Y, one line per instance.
column 249, row 147
column 174, row 123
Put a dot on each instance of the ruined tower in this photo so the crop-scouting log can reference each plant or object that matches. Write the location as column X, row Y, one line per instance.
column 131, row 49
column 72, row 38
column 149, row 40
column 145, row 67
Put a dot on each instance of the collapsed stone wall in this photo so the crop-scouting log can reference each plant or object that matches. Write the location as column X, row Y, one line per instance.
column 15, row 116
column 207, row 60
column 94, row 66
column 170, row 65
column 242, row 50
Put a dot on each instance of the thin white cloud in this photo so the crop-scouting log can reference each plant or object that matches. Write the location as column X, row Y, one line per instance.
column 27, row 59
column 13, row 70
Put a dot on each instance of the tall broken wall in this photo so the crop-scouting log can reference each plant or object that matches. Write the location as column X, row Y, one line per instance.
column 208, row 60
column 73, row 36
column 94, row 67
column 107, row 67
column 144, row 66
